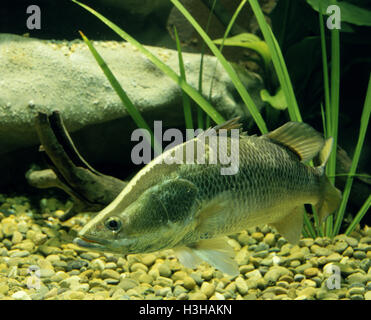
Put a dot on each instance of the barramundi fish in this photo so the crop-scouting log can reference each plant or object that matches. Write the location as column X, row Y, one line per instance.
column 191, row 207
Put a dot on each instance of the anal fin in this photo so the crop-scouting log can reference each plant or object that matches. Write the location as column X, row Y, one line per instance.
column 291, row 225
column 216, row 252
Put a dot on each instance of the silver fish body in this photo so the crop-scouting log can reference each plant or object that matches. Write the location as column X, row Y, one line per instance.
column 189, row 206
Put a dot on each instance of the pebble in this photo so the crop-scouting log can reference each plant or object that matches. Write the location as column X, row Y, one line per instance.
column 320, row 251
column 21, row 295
column 359, row 254
column 127, row 284
column 241, row 286
column 307, row 292
column 357, row 278
column 189, row 283
column 340, row 246
column 163, row 281
column 258, row 236
column 208, row 289
column 75, row 295
column 353, row 242
column 148, row 259
column 270, row 239
column 164, row 270
column 311, row 272
column 178, row 275
column 17, row 237
column 97, row 264
column 197, row 296
column 275, row 272
column 109, row 273
column 89, row 255
column 138, row 266
column 270, row 267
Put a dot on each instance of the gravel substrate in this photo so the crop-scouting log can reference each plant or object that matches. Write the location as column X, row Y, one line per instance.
column 38, row 261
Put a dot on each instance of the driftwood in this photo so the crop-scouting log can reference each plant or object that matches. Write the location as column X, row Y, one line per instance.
column 90, row 189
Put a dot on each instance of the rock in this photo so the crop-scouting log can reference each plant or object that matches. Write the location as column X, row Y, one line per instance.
column 306, row 242
column 164, row 282
column 241, row 286
column 76, row 295
column 164, row 270
column 217, row 296
column 348, row 252
column 356, row 290
column 127, row 284
column 148, row 259
column 208, row 289
column 91, row 106
column 98, row 264
column 359, row 254
column 275, row 272
column 59, row 276
column 258, row 236
column 357, row 278
column 178, row 290
column 178, row 275
column 26, row 245
column 207, row 274
column 340, row 246
column 311, row 272
column 4, row 288
column 320, row 251
column 353, row 242
column 189, row 283
column 255, row 274
column 17, row 237
column 21, row 295
column 197, row 296
column 89, row 255
column 299, row 277
column 270, row 239
column 109, row 273
column 138, row 266
column 307, row 292
column 9, row 226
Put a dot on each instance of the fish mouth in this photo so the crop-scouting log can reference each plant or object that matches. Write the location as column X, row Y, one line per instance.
column 89, row 243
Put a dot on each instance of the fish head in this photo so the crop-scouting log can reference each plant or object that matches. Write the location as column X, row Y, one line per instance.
column 156, row 220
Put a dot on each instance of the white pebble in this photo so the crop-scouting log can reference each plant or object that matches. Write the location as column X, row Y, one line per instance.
column 21, row 295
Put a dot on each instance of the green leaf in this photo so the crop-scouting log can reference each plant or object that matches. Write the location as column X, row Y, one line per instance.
column 278, row 101
column 349, row 12
column 131, row 109
column 249, row 102
column 249, row 41
column 192, row 92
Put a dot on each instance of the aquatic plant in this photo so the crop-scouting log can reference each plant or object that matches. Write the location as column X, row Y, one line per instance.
column 330, row 112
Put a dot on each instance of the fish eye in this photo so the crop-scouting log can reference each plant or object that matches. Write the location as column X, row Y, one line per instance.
column 113, row 223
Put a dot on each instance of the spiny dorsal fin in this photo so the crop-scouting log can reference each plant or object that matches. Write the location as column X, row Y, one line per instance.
column 300, row 138
column 228, row 125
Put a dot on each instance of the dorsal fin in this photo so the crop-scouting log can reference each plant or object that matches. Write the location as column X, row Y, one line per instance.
column 230, row 124
column 300, row 138
column 233, row 123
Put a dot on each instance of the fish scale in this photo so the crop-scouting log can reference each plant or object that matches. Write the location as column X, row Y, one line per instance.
column 189, row 207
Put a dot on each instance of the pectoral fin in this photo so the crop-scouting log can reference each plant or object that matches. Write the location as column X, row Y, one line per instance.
column 291, row 225
column 216, row 252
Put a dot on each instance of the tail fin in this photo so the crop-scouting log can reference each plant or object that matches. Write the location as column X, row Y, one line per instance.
column 330, row 196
